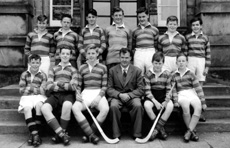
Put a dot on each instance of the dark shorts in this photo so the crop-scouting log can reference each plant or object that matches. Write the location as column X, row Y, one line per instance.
column 159, row 95
column 56, row 99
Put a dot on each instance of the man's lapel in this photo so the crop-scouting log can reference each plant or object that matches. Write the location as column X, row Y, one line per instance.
column 129, row 74
column 120, row 75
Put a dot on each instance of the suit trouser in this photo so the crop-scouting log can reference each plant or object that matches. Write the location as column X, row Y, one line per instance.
column 136, row 112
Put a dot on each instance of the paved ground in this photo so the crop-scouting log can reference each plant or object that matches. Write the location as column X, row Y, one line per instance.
column 207, row 140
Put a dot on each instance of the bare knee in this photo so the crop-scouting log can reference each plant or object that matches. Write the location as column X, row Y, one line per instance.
column 27, row 110
column 148, row 105
column 46, row 109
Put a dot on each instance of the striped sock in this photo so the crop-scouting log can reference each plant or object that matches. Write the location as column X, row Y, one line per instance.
column 86, row 127
column 38, row 121
column 32, row 126
column 160, row 124
column 64, row 124
column 53, row 123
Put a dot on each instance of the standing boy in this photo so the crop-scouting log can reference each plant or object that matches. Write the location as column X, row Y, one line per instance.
column 65, row 36
column 32, row 87
column 41, row 42
column 157, row 87
column 171, row 43
column 60, row 85
column 145, row 38
column 125, row 88
column 91, row 34
column 93, row 78
column 118, row 36
column 199, row 53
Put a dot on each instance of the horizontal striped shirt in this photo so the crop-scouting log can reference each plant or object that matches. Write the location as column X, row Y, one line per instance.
column 173, row 48
column 96, row 78
column 117, row 38
column 97, row 37
column 187, row 81
column 38, row 83
column 199, row 47
column 71, row 39
column 146, row 37
column 154, row 82
column 42, row 46
column 68, row 75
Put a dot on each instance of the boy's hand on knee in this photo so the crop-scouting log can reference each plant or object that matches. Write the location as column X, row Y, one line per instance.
column 95, row 101
column 158, row 105
column 176, row 104
column 164, row 104
column 204, row 107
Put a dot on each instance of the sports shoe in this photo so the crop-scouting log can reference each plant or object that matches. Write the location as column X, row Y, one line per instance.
column 194, row 136
column 154, row 135
column 187, row 135
column 65, row 139
column 30, row 140
column 93, row 138
column 36, row 140
column 202, row 118
column 56, row 139
column 85, row 139
column 163, row 134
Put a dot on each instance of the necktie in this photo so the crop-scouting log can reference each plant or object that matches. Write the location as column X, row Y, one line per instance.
column 124, row 73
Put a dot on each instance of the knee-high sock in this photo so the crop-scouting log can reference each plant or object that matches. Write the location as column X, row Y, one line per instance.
column 187, row 119
column 53, row 123
column 94, row 127
column 64, row 124
column 38, row 120
column 32, row 126
column 86, row 127
column 193, row 122
column 160, row 124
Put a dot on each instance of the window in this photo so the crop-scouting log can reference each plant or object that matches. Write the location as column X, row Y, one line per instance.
column 57, row 8
column 166, row 8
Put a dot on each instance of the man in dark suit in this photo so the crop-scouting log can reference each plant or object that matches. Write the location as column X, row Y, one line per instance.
column 125, row 88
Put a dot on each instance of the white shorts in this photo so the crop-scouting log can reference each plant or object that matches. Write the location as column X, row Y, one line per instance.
column 30, row 101
column 197, row 66
column 143, row 58
column 187, row 95
column 170, row 64
column 88, row 95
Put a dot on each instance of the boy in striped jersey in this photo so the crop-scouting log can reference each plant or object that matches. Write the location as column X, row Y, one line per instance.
column 118, row 36
column 188, row 92
column 199, row 53
column 65, row 36
column 145, row 38
column 93, row 77
column 171, row 43
column 32, row 87
column 157, row 87
column 60, row 83
column 91, row 34
column 41, row 42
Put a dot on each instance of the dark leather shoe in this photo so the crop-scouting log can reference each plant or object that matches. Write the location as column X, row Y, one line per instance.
column 56, row 139
column 65, row 139
column 94, row 139
column 187, row 136
column 163, row 134
column 36, row 140
column 202, row 118
column 154, row 135
column 30, row 140
column 194, row 136
column 85, row 139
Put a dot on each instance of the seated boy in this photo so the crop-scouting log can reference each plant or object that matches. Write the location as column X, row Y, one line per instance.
column 93, row 77
column 32, row 87
column 157, row 88
column 59, row 85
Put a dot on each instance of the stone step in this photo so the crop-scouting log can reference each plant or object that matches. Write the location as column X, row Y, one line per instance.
column 214, row 89
column 11, row 90
column 12, row 102
column 213, row 125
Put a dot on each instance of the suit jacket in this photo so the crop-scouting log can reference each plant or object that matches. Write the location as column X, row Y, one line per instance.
column 133, row 85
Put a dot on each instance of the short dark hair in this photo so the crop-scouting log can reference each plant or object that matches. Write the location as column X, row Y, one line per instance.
column 66, row 15
column 181, row 54
column 172, row 18
column 64, row 46
column 126, row 50
column 142, row 9
column 196, row 19
column 117, row 9
column 42, row 18
column 92, row 11
column 34, row 56
column 158, row 56
column 91, row 46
